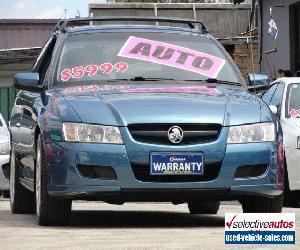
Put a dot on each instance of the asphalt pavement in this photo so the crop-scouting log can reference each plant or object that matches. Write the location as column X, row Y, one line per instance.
column 98, row 225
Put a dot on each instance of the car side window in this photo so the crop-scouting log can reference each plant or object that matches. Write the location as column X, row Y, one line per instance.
column 268, row 95
column 277, row 97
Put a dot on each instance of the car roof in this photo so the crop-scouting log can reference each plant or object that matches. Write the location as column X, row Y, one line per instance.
column 65, row 25
column 288, row 80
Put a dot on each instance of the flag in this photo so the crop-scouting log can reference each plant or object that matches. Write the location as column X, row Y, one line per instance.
column 272, row 31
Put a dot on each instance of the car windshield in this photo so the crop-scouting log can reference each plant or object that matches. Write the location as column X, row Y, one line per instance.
column 293, row 101
column 142, row 56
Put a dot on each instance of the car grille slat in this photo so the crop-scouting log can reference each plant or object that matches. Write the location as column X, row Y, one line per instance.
column 149, row 133
column 158, row 133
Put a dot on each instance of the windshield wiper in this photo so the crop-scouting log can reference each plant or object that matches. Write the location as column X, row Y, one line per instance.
column 213, row 80
column 141, row 78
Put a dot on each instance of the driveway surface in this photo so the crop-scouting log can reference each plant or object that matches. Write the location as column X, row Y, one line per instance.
column 98, row 225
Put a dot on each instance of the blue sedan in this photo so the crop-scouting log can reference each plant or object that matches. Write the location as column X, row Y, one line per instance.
column 125, row 113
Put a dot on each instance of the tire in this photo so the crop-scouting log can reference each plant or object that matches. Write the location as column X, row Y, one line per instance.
column 21, row 200
column 50, row 211
column 257, row 204
column 204, row 207
column 290, row 197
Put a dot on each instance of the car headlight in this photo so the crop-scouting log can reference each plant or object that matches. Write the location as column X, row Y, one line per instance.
column 4, row 148
column 81, row 132
column 258, row 132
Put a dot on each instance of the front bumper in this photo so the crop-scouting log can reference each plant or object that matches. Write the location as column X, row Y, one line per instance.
column 4, row 160
column 64, row 179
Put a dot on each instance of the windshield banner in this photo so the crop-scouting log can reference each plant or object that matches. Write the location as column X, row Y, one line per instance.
column 172, row 55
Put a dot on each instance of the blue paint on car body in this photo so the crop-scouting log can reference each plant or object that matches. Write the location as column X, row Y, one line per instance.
column 143, row 111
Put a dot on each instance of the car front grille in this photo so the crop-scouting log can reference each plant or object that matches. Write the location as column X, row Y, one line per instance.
column 158, row 133
column 142, row 173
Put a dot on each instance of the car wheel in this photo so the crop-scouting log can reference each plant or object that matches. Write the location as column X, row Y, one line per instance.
column 21, row 199
column 290, row 197
column 50, row 211
column 257, row 204
column 204, row 207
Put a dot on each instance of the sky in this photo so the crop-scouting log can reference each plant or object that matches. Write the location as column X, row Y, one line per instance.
column 44, row 8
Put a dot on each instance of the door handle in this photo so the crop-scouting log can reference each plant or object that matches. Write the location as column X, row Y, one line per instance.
column 18, row 125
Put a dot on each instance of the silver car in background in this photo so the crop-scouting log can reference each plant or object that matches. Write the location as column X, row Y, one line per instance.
column 4, row 155
column 284, row 100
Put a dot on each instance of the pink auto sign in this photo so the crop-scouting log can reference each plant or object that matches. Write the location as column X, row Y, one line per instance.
column 172, row 55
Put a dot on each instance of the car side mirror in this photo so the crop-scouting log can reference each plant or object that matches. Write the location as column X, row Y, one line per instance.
column 258, row 79
column 274, row 109
column 27, row 81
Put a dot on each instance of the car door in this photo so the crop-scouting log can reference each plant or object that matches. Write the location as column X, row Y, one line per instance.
column 15, row 123
column 4, row 134
column 29, row 116
column 26, row 134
